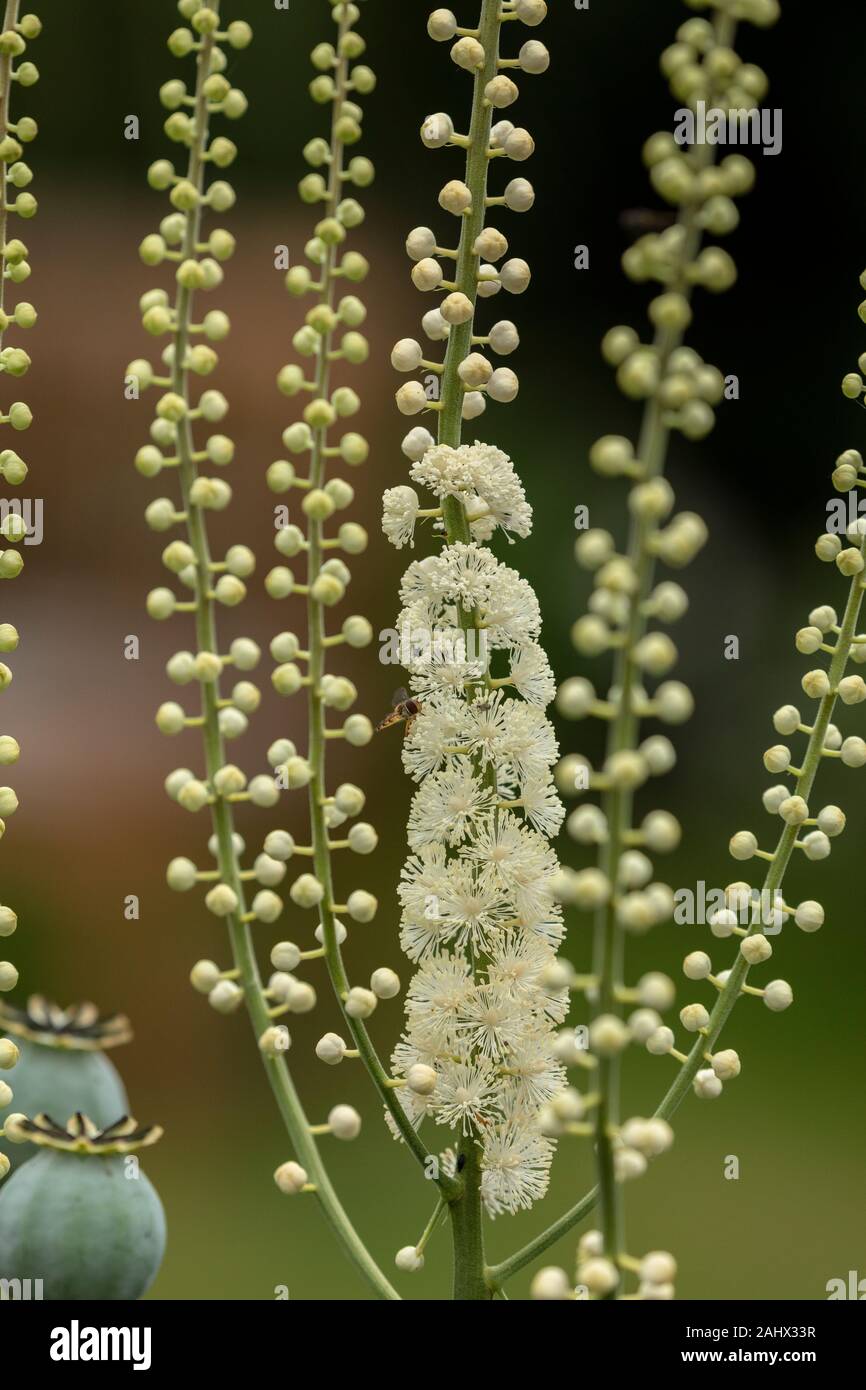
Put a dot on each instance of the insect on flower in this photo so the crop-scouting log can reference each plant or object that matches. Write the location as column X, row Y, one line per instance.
column 405, row 710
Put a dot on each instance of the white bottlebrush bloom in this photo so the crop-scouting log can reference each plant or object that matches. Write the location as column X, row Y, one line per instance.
column 447, row 803
column 437, row 996
column 440, row 727
column 517, row 963
column 479, row 916
column 515, row 1166
column 467, row 1094
column 519, row 858
column 485, row 481
column 400, row 507
column 449, row 666
column 531, row 675
column 542, row 806
column 532, row 1067
column 471, row 578
column 474, row 905
column 528, row 741
column 493, row 1023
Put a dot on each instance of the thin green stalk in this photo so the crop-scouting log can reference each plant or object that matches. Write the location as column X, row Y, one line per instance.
column 728, row 996
column 466, row 1213
column 618, row 804
column 9, row 21
column 239, row 933
column 782, row 855
column 316, row 670
column 468, row 261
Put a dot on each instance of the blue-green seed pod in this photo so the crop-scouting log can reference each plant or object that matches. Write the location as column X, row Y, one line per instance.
column 62, row 1066
column 81, row 1216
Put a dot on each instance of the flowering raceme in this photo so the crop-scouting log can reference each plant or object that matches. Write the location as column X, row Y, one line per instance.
column 477, row 891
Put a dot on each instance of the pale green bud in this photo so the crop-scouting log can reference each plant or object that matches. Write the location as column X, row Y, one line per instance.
column 267, row 906
column 317, row 505
column 279, row 582
column 181, row 876
column 245, row 653
column 263, row 791
column 8, row 980
column 193, row 795
column 280, row 845
column 358, row 730
column 226, row 997
column 362, row 906
column 306, row 891
column 10, row 750
column 362, row 838
column 222, row 900
column 281, row 475
column 284, row 647
column 170, row 719
column 341, row 493
column 327, row 589
column 287, row 679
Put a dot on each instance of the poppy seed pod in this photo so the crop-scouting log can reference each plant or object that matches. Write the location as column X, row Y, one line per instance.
column 72, row 1212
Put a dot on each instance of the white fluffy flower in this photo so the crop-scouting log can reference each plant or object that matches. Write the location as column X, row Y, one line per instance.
column 485, row 481
column 479, row 916
column 531, row 675
column 400, row 506
column 515, row 1166
column 467, row 1094
column 446, row 804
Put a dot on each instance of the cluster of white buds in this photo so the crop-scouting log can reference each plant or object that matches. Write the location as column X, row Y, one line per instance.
column 223, row 785
column 630, row 606
column 329, row 338
column 598, row 1276
column 173, row 448
column 479, row 918
column 486, row 251
column 15, row 201
column 755, row 914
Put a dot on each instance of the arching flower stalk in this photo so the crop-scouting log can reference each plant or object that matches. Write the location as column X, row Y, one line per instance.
column 755, row 913
column 221, row 786
column 15, row 203
column 330, row 340
column 479, row 918
column 680, row 392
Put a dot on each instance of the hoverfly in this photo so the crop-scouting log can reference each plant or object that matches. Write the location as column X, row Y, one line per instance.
column 406, row 710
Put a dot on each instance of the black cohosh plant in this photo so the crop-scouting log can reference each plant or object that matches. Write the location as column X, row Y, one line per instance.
column 221, row 787
column 17, row 204
column 629, row 608
column 480, row 922
column 484, row 1057
column 484, row 1063
column 755, row 912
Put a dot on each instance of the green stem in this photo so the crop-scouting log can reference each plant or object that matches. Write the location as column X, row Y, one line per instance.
column 316, row 709
column 466, row 1212
column 618, row 804
column 9, row 22
column 460, row 337
column 470, row 1278
column 243, row 952
column 676, row 1094
column 785, row 848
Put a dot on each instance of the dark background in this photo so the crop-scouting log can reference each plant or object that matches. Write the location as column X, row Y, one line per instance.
column 94, row 823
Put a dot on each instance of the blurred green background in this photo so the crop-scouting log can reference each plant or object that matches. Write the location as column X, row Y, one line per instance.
column 95, row 825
